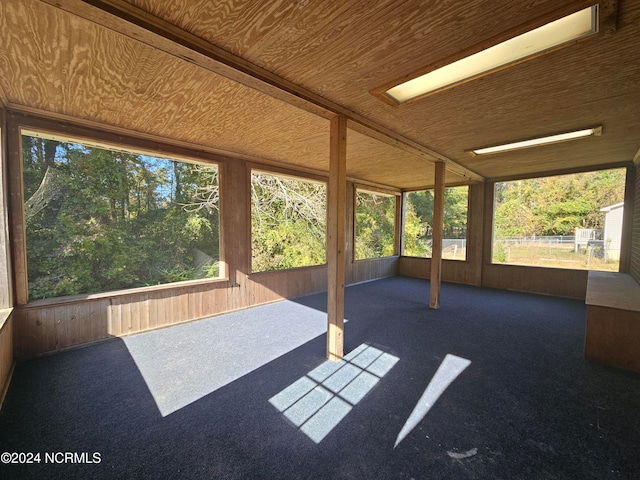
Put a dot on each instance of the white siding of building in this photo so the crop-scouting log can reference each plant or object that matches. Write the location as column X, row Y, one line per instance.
column 612, row 231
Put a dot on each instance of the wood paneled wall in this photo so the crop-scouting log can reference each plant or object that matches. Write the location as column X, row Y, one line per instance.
column 635, row 235
column 558, row 282
column 468, row 271
column 49, row 325
column 371, row 269
column 453, row 271
column 547, row 281
column 6, row 350
column 45, row 326
column 478, row 269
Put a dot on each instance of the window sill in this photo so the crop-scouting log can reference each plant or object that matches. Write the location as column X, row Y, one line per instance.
column 216, row 282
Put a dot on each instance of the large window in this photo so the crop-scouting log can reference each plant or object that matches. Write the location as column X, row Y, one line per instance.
column 288, row 222
column 567, row 221
column 418, row 223
column 100, row 220
column 375, row 225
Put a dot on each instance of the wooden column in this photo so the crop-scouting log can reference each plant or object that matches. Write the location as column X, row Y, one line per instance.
column 235, row 230
column 398, row 240
column 16, row 210
column 6, row 277
column 436, row 245
column 627, row 221
column 336, row 244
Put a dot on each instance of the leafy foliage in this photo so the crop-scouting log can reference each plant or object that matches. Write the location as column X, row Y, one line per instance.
column 107, row 220
column 375, row 220
column 288, row 222
column 555, row 205
column 418, row 228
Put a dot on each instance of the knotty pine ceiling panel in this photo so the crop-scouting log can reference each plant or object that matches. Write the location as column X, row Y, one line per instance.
column 341, row 50
column 56, row 62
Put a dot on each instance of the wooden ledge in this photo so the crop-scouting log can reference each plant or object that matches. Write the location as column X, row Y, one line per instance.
column 5, row 313
column 613, row 290
column 47, row 302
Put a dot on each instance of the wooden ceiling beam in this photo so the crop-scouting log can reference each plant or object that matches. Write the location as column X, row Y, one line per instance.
column 135, row 23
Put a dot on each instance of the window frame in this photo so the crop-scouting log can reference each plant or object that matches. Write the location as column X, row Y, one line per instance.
column 397, row 222
column 284, row 173
column 625, row 232
column 466, row 237
column 91, row 138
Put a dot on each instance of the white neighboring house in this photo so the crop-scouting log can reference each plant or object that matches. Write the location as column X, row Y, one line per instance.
column 612, row 231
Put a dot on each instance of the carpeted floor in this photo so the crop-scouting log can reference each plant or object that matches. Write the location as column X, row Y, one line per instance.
column 493, row 385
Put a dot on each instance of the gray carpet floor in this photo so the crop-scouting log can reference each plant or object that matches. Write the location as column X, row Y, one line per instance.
column 494, row 384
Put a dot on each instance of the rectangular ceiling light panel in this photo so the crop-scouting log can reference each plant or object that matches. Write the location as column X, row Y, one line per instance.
column 533, row 42
column 534, row 142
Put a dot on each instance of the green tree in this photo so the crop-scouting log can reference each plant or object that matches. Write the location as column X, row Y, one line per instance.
column 555, row 205
column 375, row 225
column 288, row 222
column 99, row 220
column 418, row 228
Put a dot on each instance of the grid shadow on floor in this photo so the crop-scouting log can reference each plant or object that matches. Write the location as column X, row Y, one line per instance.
column 193, row 402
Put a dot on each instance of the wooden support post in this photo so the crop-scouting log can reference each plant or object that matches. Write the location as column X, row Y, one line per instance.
column 436, row 244
column 630, row 194
column 336, row 241
column 16, row 210
column 398, row 240
column 6, row 278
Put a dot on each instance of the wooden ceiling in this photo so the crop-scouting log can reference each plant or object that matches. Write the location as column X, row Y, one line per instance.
column 259, row 80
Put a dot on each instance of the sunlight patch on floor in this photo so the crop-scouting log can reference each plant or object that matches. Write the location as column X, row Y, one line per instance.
column 317, row 402
column 186, row 362
column 450, row 368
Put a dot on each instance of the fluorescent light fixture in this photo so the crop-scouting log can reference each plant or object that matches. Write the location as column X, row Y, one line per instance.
column 534, row 142
column 514, row 50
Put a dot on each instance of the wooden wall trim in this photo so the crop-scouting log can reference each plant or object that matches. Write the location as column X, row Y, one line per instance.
column 287, row 171
column 6, row 276
column 398, row 224
column 16, row 213
column 487, row 223
column 634, row 255
column 361, row 271
column 350, row 227
column 212, row 284
column 475, row 234
column 546, row 281
column 627, row 220
column 453, row 271
column 105, row 136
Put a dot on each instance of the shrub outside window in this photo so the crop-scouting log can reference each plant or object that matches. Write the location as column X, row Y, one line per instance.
column 99, row 220
column 375, row 225
column 418, row 223
column 565, row 221
column 288, row 222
